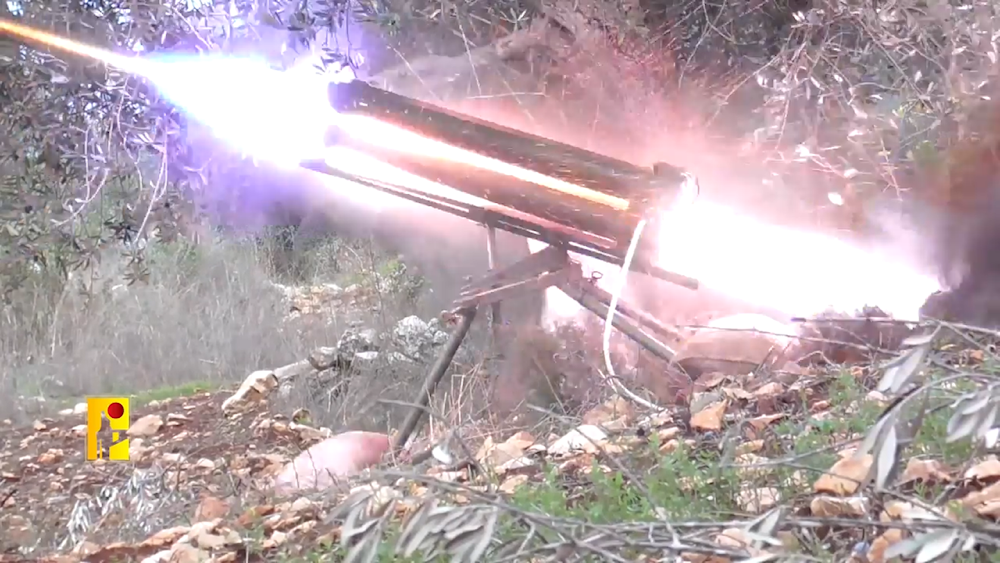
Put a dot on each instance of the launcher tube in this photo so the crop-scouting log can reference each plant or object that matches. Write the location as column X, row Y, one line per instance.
column 640, row 186
column 515, row 194
column 641, row 189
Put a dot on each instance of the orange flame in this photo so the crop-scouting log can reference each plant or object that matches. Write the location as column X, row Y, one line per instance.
column 719, row 246
column 385, row 135
column 128, row 64
column 363, row 128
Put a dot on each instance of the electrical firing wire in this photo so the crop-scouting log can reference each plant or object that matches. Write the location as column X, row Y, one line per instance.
column 619, row 288
column 688, row 195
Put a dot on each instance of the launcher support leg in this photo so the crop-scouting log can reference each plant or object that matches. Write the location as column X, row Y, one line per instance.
column 627, row 327
column 533, row 273
column 538, row 271
column 669, row 332
column 416, row 417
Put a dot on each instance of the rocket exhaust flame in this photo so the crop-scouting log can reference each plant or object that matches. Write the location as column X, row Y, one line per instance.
column 568, row 194
column 121, row 62
column 524, row 184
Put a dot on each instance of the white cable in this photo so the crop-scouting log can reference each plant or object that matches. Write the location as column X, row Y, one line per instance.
column 619, row 288
column 689, row 192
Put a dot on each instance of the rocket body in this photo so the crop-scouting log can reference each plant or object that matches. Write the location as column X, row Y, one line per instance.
column 587, row 191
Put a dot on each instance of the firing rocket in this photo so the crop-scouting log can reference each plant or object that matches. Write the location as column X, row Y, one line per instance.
column 578, row 189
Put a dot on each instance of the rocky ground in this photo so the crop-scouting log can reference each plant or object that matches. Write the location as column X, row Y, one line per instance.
column 197, row 488
column 763, row 459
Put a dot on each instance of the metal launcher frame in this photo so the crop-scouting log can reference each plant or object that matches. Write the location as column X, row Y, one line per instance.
column 592, row 209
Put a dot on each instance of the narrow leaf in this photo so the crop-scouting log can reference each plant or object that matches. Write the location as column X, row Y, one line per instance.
column 905, row 549
column 872, row 437
column 415, row 529
column 768, row 523
column 919, row 339
column 897, row 376
column 936, row 545
column 962, row 428
column 973, row 404
column 886, row 459
column 489, row 530
column 986, row 421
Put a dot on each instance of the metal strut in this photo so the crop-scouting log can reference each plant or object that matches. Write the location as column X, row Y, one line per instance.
column 551, row 267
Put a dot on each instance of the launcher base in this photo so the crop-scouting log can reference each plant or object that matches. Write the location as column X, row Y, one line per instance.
column 551, row 267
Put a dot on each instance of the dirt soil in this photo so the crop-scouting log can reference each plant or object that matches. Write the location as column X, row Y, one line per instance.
column 50, row 493
column 201, row 479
